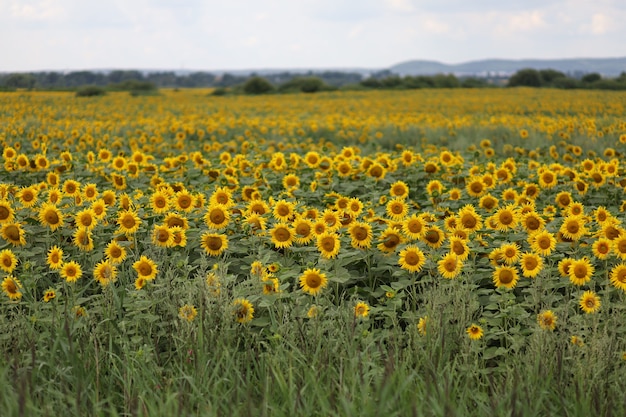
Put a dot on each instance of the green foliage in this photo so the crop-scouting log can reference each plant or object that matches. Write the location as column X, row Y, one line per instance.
column 527, row 77
column 304, row 85
column 257, row 85
column 90, row 91
column 19, row 80
column 591, row 78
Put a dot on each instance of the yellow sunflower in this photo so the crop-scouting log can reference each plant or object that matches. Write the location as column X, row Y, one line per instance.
column 601, row 248
column 414, row 227
column 82, row 239
column 510, row 253
column 505, row 218
column 505, row 276
column 243, row 310
column 469, row 219
column 396, row 209
column 361, row 235
column 580, row 271
column 217, row 216
column 619, row 246
column 13, row 233
column 328, row 244
column 434, row 237
column 160, row 202
column 128, row 221
column 412, row 259
column 86, row 219
column 361, row 310
column 399, row 189
column 312, row 281
column 389, row 240
column 542, row 242
column 71, row 271
column 618, row 277
column 105, row 273
column 449, row 266
column 458, row 246
column 590, row 302
column 547, row 320
column 532, row 264
column 49, row 295
column 474, row 332
column 163, row 236
column 284, row 210
column 183, row 201
column 282, row 235
column 8, row 260
column 213, row 243
column 146, row 268
column 11, row 286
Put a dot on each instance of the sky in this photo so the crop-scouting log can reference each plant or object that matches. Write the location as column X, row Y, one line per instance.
column 64, row 35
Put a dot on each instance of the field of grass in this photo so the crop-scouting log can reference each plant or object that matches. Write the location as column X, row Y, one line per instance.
column 427, row 253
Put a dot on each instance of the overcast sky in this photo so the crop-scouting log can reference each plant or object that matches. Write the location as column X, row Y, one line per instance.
column 245, row 34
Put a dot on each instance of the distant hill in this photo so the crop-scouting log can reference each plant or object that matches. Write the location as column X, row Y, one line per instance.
column 610, row 67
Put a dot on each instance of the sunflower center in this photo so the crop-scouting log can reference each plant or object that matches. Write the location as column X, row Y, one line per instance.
column 449, row 265
column 282, row 234
column 506, row 276
column 145, row 269
column 4, row 213
column 580, row 271
column 414, row 226
column 51, row 217
column 468, row 221
column 217, row 216
column 160, row 202
column 412, row 258
column 86, row 220
column 621, row 276
column 283, row 210
column 163, row 236
column 359, row 233
column 328, row 244
column 621, row 246
column 458, row 249
column 532, row 223
column 506, row 218
column 476, row 187
column 303, row 229
column 432, row 236
column 313, row 281
column 214, row 243
column 397, row 208
column 573, row 227
column 392, row 241
column 531, row 263
column 184, row 201
column 12, row 233
column 128, row 222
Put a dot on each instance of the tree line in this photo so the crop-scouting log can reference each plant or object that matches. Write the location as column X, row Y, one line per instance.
column 137, row 82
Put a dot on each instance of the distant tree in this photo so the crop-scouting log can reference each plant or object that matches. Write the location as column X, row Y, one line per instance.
column 257, row 85
column 527, row 77
column 566, row 83
column 90, row 91
column 304, row 85
column 19, row 80
column 472, row 82
column 548, row 76
column 446, row 81
column 591, row 78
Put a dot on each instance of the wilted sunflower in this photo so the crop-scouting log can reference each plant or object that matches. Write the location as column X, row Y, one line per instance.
column 82, row 239
column 11, row 287
column 412, row 259
column 449, row 266
column 243, row 310
column 361, row 235
column 618, row 277
column 474, row 332
column 590, row 302
column 71, row 271
column 580, row 271
column 328, row 244
column 547, row 320
column 8, row 260
column 49, row 294
column 213, row 243
column 361, row 310
column 13, row 233
column 146, row 268
column 505, row 276
column 105, row 273
column 187, row 312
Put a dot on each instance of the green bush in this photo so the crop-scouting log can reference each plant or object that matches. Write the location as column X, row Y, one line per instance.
column 90, row 91
column 257, row 85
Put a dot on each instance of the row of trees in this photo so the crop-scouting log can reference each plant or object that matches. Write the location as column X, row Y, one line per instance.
column 75, row 79
column 285, row 82
column 556, row 79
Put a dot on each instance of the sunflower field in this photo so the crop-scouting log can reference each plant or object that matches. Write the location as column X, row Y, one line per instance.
column 427, row 252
